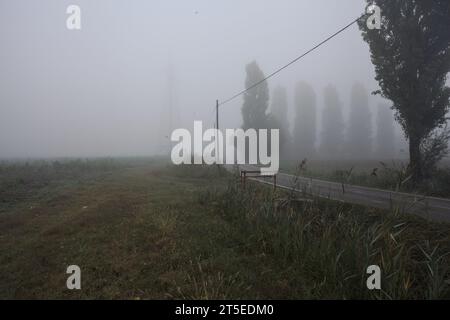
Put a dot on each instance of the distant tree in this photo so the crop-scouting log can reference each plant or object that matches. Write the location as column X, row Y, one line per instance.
column 278, row 118
column 256, row 100
column 385, row 138
column 359, row 132
column 411, row 54
column 304, row 133
column 332, row 125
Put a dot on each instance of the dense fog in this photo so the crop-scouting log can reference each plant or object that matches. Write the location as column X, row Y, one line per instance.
column 138, row 69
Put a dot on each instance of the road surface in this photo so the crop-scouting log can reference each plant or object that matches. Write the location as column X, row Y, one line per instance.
column 437, row 209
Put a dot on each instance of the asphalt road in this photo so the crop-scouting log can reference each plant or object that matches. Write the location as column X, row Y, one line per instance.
column 437, row 209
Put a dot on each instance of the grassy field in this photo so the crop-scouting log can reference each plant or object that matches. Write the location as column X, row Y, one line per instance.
column 147, row 230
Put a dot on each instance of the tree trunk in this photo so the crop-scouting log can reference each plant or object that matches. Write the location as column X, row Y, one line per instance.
column 415, row 161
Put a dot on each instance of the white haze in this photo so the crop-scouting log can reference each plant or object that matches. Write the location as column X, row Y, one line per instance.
column 103, row 91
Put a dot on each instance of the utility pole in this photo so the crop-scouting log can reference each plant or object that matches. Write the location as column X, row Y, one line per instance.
column 217, row 114
column 217, row 132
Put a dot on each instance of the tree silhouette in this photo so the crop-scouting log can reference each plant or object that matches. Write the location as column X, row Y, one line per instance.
column 256, row 100
column 304, row 133
column 411, row 54
column 279, row 117
column 332, row 125
column 359, row 139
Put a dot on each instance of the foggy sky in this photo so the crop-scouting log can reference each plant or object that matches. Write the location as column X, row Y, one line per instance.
column 101, row 91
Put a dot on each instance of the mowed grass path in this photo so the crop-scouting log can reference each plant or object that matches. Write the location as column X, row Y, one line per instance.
column 136, row 233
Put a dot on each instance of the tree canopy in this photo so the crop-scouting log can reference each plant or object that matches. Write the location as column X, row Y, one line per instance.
column 411, row 55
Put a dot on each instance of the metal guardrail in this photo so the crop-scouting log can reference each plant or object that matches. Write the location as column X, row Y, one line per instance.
column 244, row 174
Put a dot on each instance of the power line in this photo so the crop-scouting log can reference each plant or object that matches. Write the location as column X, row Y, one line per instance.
column 292, row 62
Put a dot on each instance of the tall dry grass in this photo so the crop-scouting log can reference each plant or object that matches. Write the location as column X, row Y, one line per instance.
column 329, row 245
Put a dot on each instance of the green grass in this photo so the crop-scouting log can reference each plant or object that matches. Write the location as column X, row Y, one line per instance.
column 148, row 230
column 324, row 248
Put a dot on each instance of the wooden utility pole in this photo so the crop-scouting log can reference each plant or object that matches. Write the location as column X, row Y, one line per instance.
column 217, row 132
column 217, row 114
